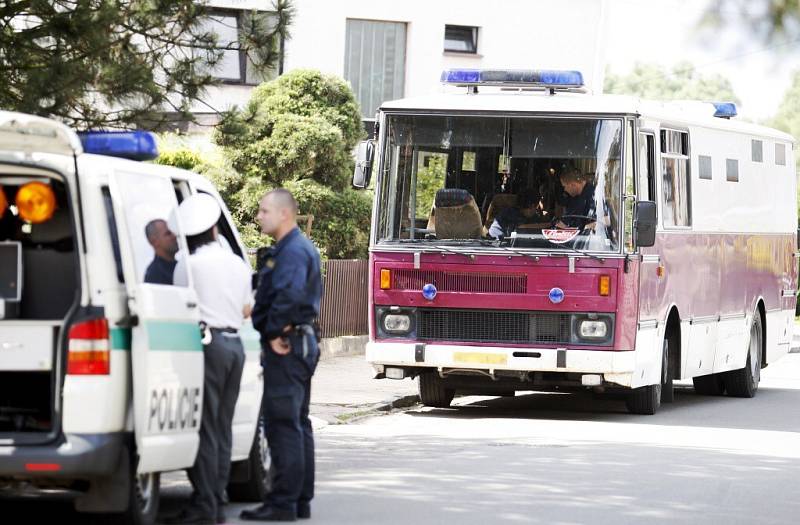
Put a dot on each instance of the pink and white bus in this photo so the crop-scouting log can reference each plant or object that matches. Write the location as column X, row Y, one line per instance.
column 527, row 235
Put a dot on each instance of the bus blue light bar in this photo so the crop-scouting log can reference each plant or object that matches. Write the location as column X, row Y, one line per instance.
column 133, row 145
column 724, row 109
column 513, row 77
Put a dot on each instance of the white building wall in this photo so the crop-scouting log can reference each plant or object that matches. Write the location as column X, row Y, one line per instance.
column 523, row 34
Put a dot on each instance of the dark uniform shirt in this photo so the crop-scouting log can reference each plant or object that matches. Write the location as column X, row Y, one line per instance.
column 289, row 288
column 160, row 271
column 581, row 204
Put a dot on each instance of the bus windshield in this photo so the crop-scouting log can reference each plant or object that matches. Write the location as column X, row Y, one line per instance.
column 541, row 183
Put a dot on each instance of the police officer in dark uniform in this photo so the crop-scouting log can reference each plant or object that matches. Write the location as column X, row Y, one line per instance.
column 287, row 303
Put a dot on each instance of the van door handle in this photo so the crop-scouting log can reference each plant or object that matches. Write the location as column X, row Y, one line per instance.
column 191, row 304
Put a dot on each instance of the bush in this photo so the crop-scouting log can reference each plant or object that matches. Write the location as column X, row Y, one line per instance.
column 298, row 132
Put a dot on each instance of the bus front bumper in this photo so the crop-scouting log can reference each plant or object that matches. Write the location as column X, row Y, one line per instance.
column 614, row 365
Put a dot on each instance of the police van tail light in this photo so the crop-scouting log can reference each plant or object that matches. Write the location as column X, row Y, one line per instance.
column 89, row 348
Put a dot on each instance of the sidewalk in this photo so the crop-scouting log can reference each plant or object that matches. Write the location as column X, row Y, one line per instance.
column 343, row 388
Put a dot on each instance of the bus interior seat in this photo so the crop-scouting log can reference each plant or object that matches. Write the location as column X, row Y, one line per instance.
column 49, row 268
column 500, row 202
column 456, row 215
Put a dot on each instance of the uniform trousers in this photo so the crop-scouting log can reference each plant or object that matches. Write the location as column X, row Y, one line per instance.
column 223, row 358
column 287, row 393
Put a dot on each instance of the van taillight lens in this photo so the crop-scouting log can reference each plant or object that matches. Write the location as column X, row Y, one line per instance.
column 89, row 349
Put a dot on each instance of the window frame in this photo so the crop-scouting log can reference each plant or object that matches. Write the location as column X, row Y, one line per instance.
column 683, row 155
column 244, row 63
column 757, row 146
column 472, row 44
column 728, row 165
column 779, row 146
column 700, row 163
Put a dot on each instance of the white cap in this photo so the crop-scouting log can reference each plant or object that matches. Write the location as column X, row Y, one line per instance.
column 198, row 214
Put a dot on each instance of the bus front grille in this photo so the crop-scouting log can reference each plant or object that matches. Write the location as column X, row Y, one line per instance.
column 482, row 326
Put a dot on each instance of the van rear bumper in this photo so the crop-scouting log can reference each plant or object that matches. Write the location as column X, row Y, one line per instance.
column 75, row 456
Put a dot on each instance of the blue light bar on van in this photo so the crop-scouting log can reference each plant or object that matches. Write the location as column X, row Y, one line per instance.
column 134, row 145
column 513, row 77
column 724, row 109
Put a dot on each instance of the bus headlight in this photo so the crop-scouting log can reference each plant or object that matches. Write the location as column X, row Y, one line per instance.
column 396, row 323
column 593, row 329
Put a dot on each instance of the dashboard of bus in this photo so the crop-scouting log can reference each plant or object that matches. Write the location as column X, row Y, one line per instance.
column 544, row 183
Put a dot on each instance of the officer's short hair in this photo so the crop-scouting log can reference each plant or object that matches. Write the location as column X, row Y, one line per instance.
column 284, row 199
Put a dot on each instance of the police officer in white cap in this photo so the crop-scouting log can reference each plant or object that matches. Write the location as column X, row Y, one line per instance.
column 224, row 291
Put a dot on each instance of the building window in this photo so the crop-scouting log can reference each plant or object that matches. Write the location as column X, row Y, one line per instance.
column 675, row 178
column 732, row 170
column 461, row 39
column 757, row 148
column 704, row 162
column 235, row 66
column 780, row 154
column 374, row 62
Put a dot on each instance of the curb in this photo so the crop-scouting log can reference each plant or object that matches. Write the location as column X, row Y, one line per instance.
column 343, row 346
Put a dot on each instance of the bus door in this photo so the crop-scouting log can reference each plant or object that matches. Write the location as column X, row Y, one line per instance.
column 167, row 352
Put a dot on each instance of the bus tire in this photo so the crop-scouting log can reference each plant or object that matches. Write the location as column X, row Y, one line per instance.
column 667, row 370
column 744, row 382
column 432, row 391
column 646, row 400
column 258, row 467
column 709, row 385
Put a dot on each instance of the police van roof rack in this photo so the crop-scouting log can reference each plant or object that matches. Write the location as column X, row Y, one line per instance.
column 515, row 79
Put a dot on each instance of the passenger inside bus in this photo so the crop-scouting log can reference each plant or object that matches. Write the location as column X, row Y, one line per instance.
column 526, row 213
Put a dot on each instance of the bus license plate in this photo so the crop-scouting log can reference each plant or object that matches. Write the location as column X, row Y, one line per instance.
column 480, row 358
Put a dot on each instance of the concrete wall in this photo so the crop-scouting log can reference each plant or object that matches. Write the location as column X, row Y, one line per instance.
column 513, row 34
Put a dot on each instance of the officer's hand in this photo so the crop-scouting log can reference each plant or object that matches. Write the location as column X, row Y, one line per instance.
column 280, row 345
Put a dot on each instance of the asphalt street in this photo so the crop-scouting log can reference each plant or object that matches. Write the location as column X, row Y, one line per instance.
column 552, row 458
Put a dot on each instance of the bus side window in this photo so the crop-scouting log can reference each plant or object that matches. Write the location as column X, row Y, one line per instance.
column 647, row 161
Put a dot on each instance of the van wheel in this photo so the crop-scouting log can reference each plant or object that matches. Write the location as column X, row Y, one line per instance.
column 744, row 382
column 432, row 391
column 143, row 500
column 259, row 465
column 709, row 385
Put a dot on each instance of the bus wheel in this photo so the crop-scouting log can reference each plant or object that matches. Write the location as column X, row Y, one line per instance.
column 256, row 468
column 646, row 400
column 667, row 371
column 710, row 385
column 744, row 382
column 432, row 391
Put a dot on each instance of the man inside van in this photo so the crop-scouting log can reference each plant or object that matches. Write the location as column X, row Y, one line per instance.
column 165, row 246
column 224, row 292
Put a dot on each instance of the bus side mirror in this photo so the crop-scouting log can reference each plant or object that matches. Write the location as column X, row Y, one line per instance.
column 644, row 224
column 363, row 171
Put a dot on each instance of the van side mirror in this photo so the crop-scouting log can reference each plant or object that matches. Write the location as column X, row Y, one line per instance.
column 363, row 171
column 644, row 224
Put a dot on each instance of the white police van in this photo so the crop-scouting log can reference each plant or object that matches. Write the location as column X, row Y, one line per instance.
column 101, row 374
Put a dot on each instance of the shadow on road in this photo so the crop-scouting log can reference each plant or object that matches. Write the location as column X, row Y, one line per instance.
column 771, row 409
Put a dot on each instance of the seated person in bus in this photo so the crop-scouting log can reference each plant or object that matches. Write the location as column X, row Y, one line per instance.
column 527, row 211
column 578, row 201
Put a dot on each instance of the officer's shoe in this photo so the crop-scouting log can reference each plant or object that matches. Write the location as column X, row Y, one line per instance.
column 303, row 511
column 268, row 513
column 221, row 516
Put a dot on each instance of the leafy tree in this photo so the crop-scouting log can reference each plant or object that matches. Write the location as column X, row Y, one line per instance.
column 772, row 20
column 682, row 82
column 120, row 63
column 298, row 132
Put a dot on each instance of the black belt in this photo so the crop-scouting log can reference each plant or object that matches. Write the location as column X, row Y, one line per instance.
column 224, row 329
